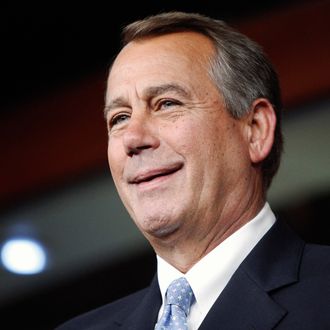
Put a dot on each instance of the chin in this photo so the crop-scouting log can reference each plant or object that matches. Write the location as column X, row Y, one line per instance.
column 159, row 227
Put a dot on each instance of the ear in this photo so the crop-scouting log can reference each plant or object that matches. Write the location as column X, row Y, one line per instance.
column 261, row 128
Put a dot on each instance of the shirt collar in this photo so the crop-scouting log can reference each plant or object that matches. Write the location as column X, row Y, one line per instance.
column 210, row 275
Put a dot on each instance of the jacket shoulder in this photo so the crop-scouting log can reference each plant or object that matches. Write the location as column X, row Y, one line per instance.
column 316, row 261
column 307, row 300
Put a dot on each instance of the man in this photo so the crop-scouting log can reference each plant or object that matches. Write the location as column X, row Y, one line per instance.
column 193, row 114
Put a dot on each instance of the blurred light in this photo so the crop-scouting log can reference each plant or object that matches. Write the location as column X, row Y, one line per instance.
column 23, row 256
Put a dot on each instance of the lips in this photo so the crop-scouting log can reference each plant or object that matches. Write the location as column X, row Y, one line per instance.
column 149, row 175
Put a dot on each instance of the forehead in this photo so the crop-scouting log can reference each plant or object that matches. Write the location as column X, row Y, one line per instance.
column 183, row 55
column 196, row 45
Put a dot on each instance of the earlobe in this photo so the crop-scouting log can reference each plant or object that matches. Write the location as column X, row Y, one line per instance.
column 262, row 123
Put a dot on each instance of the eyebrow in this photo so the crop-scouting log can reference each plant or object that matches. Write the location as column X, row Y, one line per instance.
column 149, row 93
column 116, row 103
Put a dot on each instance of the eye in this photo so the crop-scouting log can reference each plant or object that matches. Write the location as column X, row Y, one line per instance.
column 118, row 119
column 165, row 104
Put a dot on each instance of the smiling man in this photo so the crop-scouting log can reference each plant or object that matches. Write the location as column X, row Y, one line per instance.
column 193, row 115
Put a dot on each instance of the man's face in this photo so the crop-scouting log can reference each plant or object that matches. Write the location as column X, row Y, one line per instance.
column 175, row 154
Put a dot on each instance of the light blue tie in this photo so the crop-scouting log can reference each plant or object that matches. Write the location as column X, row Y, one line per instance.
column 179, row 297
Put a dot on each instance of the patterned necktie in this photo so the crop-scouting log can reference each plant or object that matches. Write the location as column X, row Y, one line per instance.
column 179, row 297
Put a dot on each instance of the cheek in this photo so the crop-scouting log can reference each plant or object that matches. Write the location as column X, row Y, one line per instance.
column 110, row 155
column 114, row 160
column 184, row 136
column 195, row 147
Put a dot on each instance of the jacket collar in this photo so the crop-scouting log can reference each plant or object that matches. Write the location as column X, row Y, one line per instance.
column 276, row 259
column 145, row 315
column 246, row 301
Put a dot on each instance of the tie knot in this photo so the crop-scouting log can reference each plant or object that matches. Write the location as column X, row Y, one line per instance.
column 179, row 293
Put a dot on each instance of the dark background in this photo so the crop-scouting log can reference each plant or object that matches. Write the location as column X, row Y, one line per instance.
column 46, row 44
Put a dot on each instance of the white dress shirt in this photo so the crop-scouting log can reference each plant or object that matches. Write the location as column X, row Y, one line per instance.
column 209, row 276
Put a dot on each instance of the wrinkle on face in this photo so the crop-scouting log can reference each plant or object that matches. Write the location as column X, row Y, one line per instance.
column 197, row 206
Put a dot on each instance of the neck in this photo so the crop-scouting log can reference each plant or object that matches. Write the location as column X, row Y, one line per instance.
column 186, row 247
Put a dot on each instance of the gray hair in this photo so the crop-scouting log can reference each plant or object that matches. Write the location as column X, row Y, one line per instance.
column 240, row 69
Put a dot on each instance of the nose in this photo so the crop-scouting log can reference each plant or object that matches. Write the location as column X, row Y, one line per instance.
column 139, row 135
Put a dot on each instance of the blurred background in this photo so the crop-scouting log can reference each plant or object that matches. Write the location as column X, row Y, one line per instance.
column 65, row 238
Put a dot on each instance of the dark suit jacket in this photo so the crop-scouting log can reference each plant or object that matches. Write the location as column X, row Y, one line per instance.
column 282, row 284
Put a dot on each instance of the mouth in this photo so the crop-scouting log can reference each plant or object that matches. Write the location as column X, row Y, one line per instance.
column 152, row 175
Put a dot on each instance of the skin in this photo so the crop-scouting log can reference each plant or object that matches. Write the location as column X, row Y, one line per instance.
column 187, row 172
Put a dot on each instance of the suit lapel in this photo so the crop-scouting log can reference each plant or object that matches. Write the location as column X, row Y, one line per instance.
column 145, row 315
column 246, row 301
column 243, row 305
